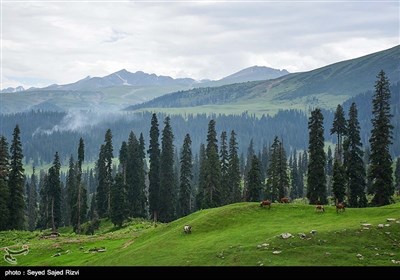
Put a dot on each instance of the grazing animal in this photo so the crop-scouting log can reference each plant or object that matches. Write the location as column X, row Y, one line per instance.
column 187, row 229
column 340, row 206
column 265, row 203
column 319, row 208
column 284, row 200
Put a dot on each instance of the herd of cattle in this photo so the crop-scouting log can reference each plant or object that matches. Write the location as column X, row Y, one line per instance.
column 340, row 207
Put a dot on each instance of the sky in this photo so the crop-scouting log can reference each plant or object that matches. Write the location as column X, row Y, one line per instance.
column 46, row 42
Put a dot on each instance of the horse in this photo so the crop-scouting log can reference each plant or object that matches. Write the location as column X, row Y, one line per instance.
column 284, row 200
column 187, row 229
column 319, row 208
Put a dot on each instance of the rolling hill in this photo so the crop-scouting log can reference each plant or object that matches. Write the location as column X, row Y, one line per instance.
column 324, row 87
column 242, row 234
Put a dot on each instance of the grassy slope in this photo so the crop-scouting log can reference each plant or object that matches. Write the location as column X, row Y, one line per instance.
column 323, row 87
column 229, row 236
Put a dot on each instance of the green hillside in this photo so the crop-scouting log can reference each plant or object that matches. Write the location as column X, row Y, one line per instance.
column 242, row 234
column 324, row 87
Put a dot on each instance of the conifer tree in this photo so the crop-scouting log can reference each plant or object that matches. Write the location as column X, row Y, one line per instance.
column 54, row 193
column 105, row 180
column 4, row 190
column 339, row 127
column 16, row 183
column 32, row 202
column 380, row 169
column 234, row 170
column 118, row 209
column 185, row 190
column 167, row 181
column 154, row 171
column 202, row 177
column 339, row 181
column 316, row 180
column 353, row 159
column 254, row 181
column 224, row 158
column 212, row 191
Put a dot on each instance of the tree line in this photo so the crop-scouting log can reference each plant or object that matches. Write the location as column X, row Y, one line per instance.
column 163, row 182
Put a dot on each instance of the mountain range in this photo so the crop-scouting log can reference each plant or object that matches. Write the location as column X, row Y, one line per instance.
column 256, row 89
column 323, row 87
column 117, row 90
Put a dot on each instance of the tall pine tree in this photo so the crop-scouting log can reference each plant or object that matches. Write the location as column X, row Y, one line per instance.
column 154, row 171
column 212, row 191
column 54, row 193
column 118, row 211
column 380, row 169
column 339, row 181
column 16, row 183
column 105, row 180
column 234, row 170
column 4, row 190
column 167, row 180
column 316, row 180
column 339, row 127
column 224, row 158
column 201, row 192
column 254, row 181
column 32, row 202
column 353, row 160
column 185, row 206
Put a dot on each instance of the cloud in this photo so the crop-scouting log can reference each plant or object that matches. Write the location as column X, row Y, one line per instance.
column 65, row 42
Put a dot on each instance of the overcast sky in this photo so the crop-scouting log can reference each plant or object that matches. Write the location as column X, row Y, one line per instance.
column 62, row 42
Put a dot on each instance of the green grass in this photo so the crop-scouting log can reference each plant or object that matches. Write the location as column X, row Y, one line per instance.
column 232, row 235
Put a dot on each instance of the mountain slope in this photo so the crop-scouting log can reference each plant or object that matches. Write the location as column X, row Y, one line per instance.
column 324, row 87
column 242, row 234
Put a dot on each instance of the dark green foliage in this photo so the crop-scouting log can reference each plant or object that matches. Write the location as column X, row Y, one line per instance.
column 123, row 159
column 329, row 162
column 294, row 192
column 32, row 202
column 54, row 193
column 202, row 177
column 254, row 181
column 16, row 183
column 154, row 172
column 316, row 180
column 212, row 196
column 353, row 161
column 185, row 206
column 397, row 175
column 136, row 199
column 4, row 190
column 339, row 127
column 77, row 193
column 234, row 170
column 43, row 220
column 118, row 209
column 339, row 181
column 380, row 169
column 104, row 176
column 277, row 177
column 167, row 180
column 224, row 158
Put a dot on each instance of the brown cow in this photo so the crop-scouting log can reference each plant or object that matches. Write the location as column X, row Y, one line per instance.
column 340, row 206
column 284, row 200
column 319, row 208
column 265, row 203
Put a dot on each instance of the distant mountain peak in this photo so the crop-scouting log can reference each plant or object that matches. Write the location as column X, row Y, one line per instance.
column 255, row 73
